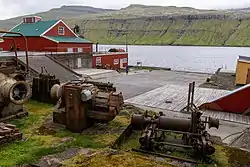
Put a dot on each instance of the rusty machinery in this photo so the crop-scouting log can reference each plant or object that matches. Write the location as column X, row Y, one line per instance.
column 14, row 92
column 15, row 48
column 42, row 85
column 82, row 103
column 157, row 132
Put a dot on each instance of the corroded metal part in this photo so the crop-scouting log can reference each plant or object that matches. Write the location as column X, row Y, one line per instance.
column 13, row 91
column 56, row 92
column 193, row 130
column 83, row 103
column 174, row 124
column 138, row 121
column 213, row 123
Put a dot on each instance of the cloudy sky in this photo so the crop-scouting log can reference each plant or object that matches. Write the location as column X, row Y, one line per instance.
column 12, row 8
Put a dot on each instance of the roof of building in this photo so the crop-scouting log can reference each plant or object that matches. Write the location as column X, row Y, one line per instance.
column 244, row 59
column 67, row 39
column 32, row 29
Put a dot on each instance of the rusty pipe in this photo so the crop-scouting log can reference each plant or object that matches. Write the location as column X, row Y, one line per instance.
column 166, row 123
column 14, row 43
column 26, row 47
column 183, row 125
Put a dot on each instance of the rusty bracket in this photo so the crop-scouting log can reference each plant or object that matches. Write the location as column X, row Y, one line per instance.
column 26, row 47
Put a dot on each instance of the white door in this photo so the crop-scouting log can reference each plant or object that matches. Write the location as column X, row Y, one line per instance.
column 70, row 50
column 80, row 50
column 98, row 61
column 79, row 62
column 121, row 63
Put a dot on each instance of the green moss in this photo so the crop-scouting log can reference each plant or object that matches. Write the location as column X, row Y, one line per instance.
column 113, row 158
column 132, row 142
column 37, row 144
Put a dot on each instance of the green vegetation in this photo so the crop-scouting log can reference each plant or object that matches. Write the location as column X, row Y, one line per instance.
column 40, row 139
column 108, row 159
column 207, row 32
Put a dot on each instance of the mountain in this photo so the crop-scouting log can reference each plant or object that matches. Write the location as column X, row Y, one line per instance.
column 159, row 25
column 62, row 12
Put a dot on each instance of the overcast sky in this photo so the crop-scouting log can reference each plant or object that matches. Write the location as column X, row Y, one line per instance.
column 12, row 8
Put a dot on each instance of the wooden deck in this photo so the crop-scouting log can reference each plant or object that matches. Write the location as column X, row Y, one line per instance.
column 231, row 117
column 174, row 98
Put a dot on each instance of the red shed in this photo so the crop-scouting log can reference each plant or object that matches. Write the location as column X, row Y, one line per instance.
column 115, row 60
column 51, row 36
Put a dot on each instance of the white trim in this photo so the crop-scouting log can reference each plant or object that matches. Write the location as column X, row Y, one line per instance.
column 50, row 39
column 56, row 24
column 37, row 17
column 69, row 28
column 13, row 27
column 50, row 28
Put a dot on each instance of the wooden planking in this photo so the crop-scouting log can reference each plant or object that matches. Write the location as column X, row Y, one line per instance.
column 227, row 116
column 177, row 94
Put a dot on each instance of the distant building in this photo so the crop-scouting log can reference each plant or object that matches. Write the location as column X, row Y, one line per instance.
column 243, row 70
column 42, row 36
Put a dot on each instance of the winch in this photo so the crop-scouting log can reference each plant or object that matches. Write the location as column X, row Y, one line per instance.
column 82, row 103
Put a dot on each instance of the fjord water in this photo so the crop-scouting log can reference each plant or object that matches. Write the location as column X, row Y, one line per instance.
column 184, row 58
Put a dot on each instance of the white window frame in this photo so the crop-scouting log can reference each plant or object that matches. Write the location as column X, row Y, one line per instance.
column 116, row 61
column 61, row 30
column 125, row 60
column 98, row 61
column 80, row 50
column 70, row 50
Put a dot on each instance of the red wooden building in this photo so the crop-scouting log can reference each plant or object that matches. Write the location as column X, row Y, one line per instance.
column 116, row 60
column 46, row 36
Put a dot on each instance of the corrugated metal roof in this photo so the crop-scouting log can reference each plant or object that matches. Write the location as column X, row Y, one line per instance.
column 33, row 29
column 68, row 39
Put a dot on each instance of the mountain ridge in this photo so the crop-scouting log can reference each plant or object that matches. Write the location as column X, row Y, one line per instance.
column 158, row 25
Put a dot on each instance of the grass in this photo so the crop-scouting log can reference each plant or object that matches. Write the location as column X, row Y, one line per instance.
column 40, row 141
column 144, row 31
column 109, row 159
column 36, row 145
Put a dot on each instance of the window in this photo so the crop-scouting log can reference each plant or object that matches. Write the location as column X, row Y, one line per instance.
column 116, row 61
column 125, row 60
column 70, row 50
column 61, row 30
column 80, row 50
column 98, row 61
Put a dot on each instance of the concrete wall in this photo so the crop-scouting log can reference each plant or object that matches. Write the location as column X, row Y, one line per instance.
column 74, row 60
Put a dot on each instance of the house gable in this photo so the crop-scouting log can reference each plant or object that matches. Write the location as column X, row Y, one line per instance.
column 60, row 29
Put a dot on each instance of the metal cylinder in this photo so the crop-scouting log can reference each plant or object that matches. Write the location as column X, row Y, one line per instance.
column 139, row 120
column 56, row 92
column 183, row 125
column 14, row 91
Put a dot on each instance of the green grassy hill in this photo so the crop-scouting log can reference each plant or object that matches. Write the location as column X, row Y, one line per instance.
column 212, row 32
column 155, row 25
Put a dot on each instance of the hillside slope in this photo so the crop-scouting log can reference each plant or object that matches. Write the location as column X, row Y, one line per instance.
column 62, row 12
column 155, row 25
column 164, row 31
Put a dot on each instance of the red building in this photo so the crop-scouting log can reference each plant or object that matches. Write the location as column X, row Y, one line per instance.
column 116, row 60
column 42, row 36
